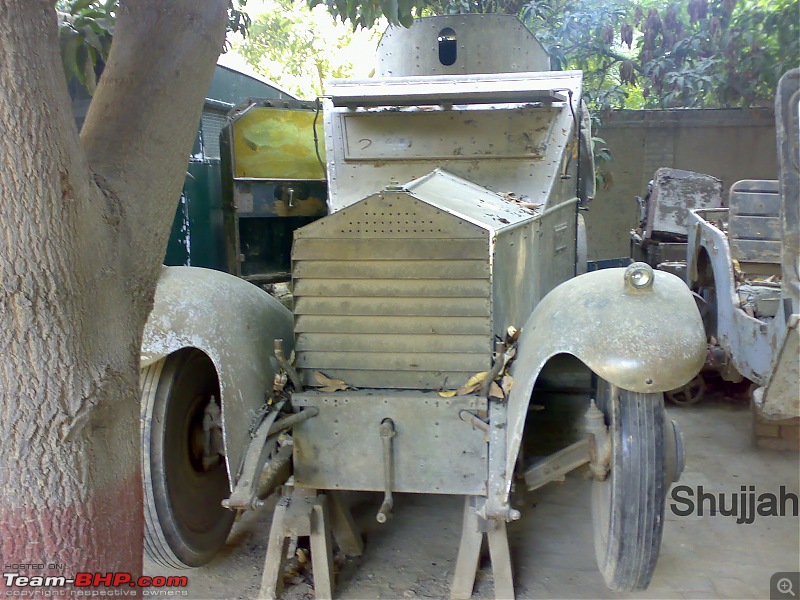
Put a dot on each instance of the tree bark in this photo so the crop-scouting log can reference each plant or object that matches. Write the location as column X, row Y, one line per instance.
column 84, row 223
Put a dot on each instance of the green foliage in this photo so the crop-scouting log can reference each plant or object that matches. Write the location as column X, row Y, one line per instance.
column 86, row 28
column 640, row 53
column 367, row 13
column 299, row 49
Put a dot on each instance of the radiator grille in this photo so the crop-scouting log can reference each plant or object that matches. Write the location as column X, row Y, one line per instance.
column 392, row 293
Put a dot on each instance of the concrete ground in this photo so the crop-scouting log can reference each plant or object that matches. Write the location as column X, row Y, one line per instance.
column 413, row 555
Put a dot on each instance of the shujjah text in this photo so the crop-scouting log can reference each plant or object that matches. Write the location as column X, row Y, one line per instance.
column 745, row 505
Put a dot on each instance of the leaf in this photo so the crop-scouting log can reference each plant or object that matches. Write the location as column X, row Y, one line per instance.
column 447, row 393
column 329, row 385
column 79, row 5
column 69, row 51
column 473, row 383
column 506, row 384
column 495, row 391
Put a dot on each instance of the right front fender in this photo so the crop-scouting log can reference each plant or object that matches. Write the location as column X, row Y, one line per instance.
column 649, row 340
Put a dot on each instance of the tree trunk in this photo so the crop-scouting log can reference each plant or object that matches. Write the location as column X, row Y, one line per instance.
column 83, row 228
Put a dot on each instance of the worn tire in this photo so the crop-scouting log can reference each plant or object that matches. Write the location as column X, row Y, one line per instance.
column 185, row 523
column 628, row 507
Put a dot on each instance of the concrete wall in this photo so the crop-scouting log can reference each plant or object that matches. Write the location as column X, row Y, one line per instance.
column 728, row 144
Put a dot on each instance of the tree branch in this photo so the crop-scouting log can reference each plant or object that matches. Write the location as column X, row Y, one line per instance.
column 34, row 92
column 140, row 127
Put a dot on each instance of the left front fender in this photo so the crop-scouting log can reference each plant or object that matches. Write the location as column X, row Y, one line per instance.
column 643, row 340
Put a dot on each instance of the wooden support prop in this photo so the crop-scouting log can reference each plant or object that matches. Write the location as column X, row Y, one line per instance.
column 344, row 528
column 472, row 532
column 299, row 515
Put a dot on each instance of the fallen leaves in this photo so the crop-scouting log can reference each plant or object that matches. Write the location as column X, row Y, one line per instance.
column 330, row 385
column 521, row 201
column 501, row 382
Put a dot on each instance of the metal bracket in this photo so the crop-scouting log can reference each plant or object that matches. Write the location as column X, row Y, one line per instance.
column 387, row 433
column 555, row 466
column 249, row 492
column 599, row 442
column 244, row 495
column 213, row 447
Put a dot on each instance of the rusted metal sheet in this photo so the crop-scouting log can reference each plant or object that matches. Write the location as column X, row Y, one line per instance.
column 754, row 224
column 434, row 450
column 675, row 192
column 755, row 251
column 780, row 398
column 754, row 228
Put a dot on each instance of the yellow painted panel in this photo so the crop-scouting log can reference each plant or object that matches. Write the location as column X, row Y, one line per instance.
column 272, row 143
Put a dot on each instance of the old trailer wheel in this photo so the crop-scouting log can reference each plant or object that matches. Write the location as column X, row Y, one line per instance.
column 628, row 506
column 689, row 394
column 185, row 523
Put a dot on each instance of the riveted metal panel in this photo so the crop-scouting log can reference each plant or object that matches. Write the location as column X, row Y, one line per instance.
column 434, row 450
column 519, row 142
column 530, row 260
column 754, row 226
column 485, row 43
column 394, row 214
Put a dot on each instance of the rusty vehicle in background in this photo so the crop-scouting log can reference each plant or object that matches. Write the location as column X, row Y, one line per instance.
column 445, row 280
column 739, row 255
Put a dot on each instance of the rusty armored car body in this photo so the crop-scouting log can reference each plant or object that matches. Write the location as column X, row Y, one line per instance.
column 425, row 307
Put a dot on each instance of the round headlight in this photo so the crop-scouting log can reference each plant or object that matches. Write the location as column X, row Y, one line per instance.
column 639, row 275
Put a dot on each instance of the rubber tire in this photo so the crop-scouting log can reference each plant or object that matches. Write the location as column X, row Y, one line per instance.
column 185, row 523
column 628, row 507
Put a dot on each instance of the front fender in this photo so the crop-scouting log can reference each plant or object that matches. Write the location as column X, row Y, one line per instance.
column 640, row 340
column 234, row 323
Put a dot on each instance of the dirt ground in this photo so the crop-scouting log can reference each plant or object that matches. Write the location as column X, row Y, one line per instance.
column 413, row 555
